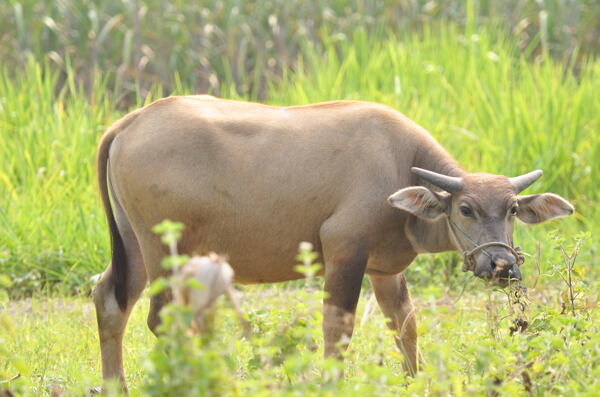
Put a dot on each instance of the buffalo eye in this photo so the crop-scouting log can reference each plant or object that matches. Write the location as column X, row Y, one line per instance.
column 514, row 211
column 466, row 211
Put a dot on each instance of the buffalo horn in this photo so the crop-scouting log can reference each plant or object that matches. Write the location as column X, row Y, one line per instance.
column 450, row 184
column 521, row 182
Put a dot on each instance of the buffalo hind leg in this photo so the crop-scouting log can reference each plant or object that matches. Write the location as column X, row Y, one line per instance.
column 111, row 319
column 394, row 299
column 111, row 325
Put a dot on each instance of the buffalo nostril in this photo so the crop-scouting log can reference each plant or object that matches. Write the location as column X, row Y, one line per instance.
column 500, row 265
column 514, row 273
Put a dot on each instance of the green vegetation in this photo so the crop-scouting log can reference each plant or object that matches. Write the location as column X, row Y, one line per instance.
column 505, row 89
column 474, row 343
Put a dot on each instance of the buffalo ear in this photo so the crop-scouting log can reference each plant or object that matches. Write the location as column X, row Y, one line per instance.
column 420, row 202
column 537, row 208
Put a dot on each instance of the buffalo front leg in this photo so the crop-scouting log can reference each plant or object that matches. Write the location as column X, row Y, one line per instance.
column 343, row 280
column 393, row 298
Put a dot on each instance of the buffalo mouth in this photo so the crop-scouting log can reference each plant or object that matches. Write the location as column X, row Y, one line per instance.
column 495, row 279
column 497, row 268
column 502, row 278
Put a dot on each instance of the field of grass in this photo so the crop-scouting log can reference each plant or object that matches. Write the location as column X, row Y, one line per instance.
column 465, row 339
column 491, row 107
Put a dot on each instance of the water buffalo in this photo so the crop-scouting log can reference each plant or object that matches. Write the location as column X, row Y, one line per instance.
column 252, row 181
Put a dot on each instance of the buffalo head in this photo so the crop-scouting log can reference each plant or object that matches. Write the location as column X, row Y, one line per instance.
column 480, row 210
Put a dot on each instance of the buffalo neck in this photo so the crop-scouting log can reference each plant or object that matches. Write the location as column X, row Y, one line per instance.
column 427, row 235
column 431, row 156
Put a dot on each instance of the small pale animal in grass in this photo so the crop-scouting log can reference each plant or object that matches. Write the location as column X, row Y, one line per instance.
column 213, row 276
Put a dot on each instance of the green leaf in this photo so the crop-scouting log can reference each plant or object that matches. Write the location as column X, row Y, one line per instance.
column 157, row 286
column 168, row 226
column 5, row 281
column 195, row 284
column 171, row 262
column 557, row 342
column 308, row 271
column 21, row 366
column 579, row 272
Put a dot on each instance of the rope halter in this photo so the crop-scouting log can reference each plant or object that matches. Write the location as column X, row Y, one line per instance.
column 469, row 255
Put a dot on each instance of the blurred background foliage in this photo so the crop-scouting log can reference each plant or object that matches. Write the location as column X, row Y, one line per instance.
column 253, row 43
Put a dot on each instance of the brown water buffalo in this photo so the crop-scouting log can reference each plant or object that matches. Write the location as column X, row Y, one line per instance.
column 252, row 181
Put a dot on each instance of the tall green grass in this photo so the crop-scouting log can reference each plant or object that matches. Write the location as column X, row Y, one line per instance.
column 49, row 221
column 490, row 107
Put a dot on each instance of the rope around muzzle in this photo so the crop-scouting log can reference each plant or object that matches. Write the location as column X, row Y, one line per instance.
column 469, row 262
